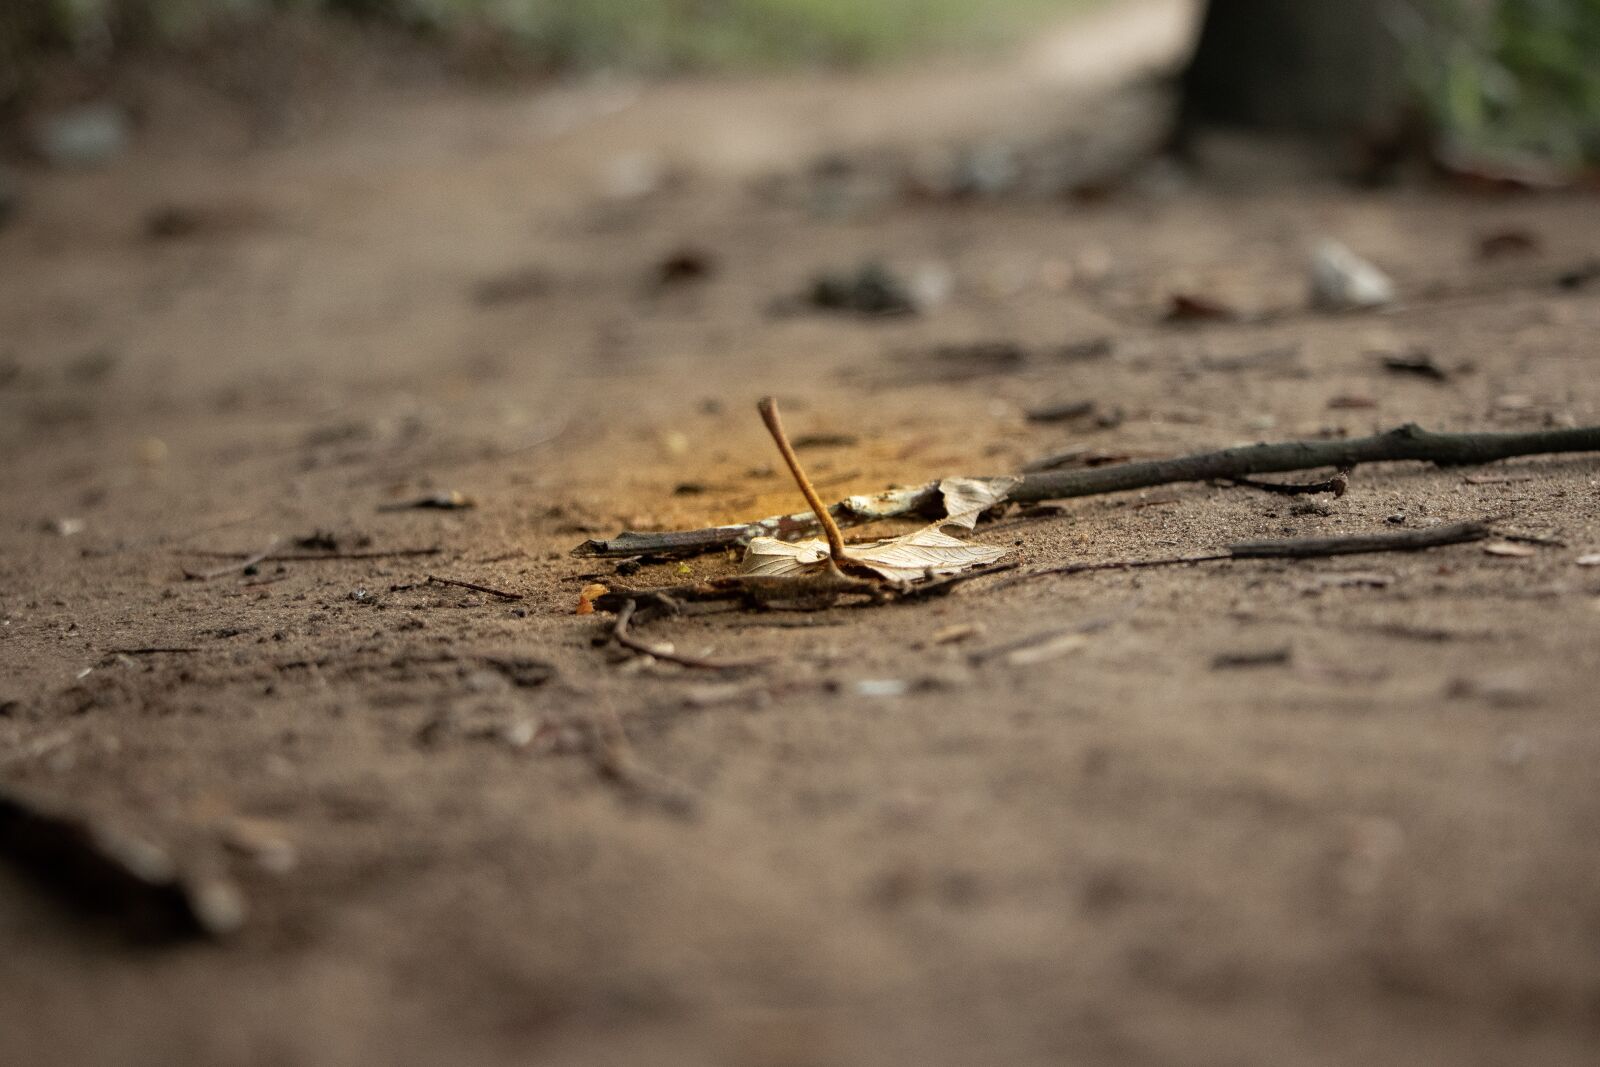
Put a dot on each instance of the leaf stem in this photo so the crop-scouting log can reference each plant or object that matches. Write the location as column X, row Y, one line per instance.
column 768, row 406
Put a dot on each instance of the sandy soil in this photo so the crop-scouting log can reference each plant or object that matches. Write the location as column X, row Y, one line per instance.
column 1380, row 846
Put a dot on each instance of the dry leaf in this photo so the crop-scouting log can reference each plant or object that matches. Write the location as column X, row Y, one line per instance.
column 923, row 553
column 1508, row 548
column 967, row 498
column 919, row 554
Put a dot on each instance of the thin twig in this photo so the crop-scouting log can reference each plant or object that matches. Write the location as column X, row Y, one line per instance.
column 240, row 565
column 154, row 650
column 768, row 406
column 501, row 593
column 1402, row 541
column 313, row 557
column 1337, row 485
column 1115, row 565
column 1408, row 442
column 1294, row 548
column 621, row 635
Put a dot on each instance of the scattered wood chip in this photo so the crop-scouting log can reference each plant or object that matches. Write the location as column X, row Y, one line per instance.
column 1351, row 580
column 871, row 289
column 1508, row 549
column 1189, row 307
column 1590, row 560
column 687, row 264
column 1064, row 412
column 454, row 500
column 1498, row 479
column 825, row 440
column 1265, row 657
column 1351, row 402
column 1415, row 362
column 966, row 631
column 1046, row 647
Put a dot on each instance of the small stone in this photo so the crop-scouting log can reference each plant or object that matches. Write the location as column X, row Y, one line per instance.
column 1342, row 280
column 86, row 136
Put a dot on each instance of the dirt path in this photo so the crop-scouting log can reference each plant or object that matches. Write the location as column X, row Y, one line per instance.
column 1377, row 846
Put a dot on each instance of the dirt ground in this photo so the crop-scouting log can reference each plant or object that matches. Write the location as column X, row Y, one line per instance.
column 1378, row 845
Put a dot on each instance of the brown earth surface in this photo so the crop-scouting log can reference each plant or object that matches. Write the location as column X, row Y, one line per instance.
column 1379, row 845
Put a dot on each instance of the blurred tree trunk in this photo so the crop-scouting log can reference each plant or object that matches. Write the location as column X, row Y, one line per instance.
column 1310, row 65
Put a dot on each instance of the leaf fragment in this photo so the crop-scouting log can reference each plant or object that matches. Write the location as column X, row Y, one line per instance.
column 925, row 553
column 1509, row 549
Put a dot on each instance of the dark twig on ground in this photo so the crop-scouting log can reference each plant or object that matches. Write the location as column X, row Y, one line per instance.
column 1406, row 443
column 1401, row 541
column 475, row 587
column 313, row 557
column 153, row 650
column 1337, row 485
column 232, row 568
column 1294, row 548
column 624, row 637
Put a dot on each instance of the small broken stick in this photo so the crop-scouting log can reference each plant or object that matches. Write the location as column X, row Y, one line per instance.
column 1337, row 485
column 232, row 568
column 1293, row 548
column 768, row 406
column 475, row 587
column 622, row 636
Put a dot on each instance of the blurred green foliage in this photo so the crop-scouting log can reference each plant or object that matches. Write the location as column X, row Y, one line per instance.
column 1514, row 78
column 650, row 35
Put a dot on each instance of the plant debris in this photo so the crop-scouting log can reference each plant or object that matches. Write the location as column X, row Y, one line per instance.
column 1404, row 443
column 687, row 264
column 1063, row 412
column 1417, row 362
column 925, row 553
column 453, row 500
column 1191, row 307
column 113, row 876
column 872, row 289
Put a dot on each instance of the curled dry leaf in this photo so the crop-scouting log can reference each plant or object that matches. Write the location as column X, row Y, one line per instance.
column 1508, row 549
column 925, row 553
column 587, row 597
